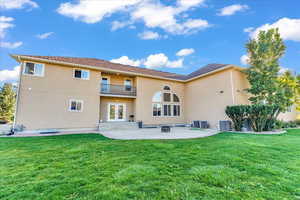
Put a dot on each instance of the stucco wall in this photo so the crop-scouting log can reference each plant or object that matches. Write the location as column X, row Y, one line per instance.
column 146, row 88
column 118, row 79
column 206, row 98
column 240, row 83
column 289, row 115
column 44, row 101
column 106, row 100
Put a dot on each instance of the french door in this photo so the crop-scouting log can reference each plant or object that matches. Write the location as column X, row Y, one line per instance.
column 116, row 112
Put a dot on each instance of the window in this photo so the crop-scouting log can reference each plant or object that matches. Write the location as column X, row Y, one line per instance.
column 34, row 69
column 156, row 109
column 167, row 110
column 167, row 97
column 175, row 98
column 81, row 74
column 176, row 110
column 128, row 85
column 165, row 104
column 76, row 105
column 156, row 97
column 167, row 88
column 105, row 84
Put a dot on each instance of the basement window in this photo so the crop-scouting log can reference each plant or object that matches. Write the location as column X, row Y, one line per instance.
column 33, row 69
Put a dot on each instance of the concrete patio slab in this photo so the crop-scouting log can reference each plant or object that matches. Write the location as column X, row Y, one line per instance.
column 155, row 133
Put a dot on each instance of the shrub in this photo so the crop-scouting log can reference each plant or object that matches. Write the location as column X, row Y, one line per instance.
column 237, row 114
column 291, row 124
column 262, row 117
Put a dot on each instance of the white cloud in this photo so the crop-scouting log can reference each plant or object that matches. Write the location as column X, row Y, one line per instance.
column 126, row 61
column 93, row 11
column 44, row 35
column 244, row 59
column 10, row 75
column 185, row 52
column 17, row 4
column 231, row 10
column 190, row 3
column 151, row 12
column 5, row 23
column 248, row 30
column 175, row 64
column 115, row 25
column 289, row 29
column 10, row 45
column 161, row 60
column 149, row 35
column 165, row 18
column 283, row 70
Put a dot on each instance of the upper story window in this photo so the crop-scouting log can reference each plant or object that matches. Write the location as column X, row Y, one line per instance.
column 165, row 104
column 167, row 88
column 34, row 69
column 128, row 84
column 175, row 98
column 82, row 74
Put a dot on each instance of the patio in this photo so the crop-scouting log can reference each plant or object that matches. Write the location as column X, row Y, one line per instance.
column 155, row 133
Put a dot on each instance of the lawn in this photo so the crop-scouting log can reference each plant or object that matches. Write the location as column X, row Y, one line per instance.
column 225, row 166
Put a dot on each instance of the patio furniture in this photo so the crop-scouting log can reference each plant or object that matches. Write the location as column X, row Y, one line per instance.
column 165, row 129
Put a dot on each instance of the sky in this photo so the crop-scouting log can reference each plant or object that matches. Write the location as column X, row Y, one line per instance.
column 177, row 36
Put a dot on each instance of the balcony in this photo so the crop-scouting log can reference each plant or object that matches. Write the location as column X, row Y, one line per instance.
column 117, row 90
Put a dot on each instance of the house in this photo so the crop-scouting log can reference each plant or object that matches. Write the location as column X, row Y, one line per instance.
column 79, row 93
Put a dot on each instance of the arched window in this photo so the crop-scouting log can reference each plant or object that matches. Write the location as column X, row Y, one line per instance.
column 175, row 98
column 156, row 97
column 167, row 88
column 166, row 104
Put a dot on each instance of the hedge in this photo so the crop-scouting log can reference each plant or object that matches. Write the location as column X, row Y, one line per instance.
column 262, row 117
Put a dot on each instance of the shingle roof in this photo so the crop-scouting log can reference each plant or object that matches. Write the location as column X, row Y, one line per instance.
column 126, row 68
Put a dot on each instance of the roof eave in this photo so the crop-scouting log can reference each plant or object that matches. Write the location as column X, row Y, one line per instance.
column 19, row 58
column 214, row 71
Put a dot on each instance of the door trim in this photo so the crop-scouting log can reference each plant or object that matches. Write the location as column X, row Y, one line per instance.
column 117, row 109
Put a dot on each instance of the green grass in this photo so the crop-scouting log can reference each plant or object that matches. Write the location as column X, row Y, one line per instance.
column 225, row 166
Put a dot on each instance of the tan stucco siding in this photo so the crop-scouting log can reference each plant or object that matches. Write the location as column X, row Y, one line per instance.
column 207, row 98
column 118, row 79
column 44, row 101
column 240, row 83
column 146, row 88
column 289, row 115
column 106, row 100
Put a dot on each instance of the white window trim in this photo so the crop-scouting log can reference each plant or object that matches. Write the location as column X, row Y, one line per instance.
column 131, row 80
column 161, row 111
column 76, row 100
column 163, row 88
column 171, row 113
column 125, row 79
column 117, row 105
column 88, row 78
column 43, row 69
column 172, row 110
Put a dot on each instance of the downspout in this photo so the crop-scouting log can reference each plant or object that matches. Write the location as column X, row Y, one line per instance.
column 232, row 88
column 18, row 91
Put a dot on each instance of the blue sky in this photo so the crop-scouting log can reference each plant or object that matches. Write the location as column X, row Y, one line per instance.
column 176, row 36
